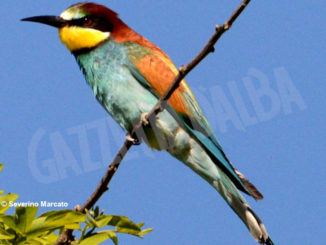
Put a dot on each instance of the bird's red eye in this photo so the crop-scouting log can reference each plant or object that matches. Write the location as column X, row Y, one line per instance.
column 88, row 21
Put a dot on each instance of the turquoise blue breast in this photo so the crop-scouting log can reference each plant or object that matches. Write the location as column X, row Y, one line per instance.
column 107, row 71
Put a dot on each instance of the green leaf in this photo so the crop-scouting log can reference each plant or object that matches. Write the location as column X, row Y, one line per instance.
column 25, row 217
column 5, row 235
column 64, row 217
column 38, row 227
column 43, row 240
column 73, row 226
column 111, row 235
column 140, row 225
column 21, row 241
column 125, row 225
column 50, row 238
column 6, row 200
column 35, row 241
column 144, row 232
column 1, row 166
column 103, row 220
column 91, row 220
column 9, row 221
column 123, row 222
column 100, row 237
column 53, row 220
column 129, row 231
column 5, row 242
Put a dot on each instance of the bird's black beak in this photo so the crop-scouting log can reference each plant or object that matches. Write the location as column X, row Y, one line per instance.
column 55, row 21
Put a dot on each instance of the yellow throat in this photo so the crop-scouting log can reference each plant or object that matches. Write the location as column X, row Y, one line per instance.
column 77, row 38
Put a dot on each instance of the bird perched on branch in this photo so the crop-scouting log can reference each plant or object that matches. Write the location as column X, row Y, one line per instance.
column 128, row 74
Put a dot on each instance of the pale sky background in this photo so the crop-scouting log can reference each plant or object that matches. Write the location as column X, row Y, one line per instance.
column 262, row 91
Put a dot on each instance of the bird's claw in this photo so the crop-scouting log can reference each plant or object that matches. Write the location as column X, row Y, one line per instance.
column 133, row 140
column 143, row 119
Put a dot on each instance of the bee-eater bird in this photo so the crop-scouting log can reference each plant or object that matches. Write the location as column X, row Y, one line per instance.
column 128, row 74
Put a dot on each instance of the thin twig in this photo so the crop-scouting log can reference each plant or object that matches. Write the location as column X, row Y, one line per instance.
column 66, row 237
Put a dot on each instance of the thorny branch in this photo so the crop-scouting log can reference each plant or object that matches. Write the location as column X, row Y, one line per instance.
column 66, row 237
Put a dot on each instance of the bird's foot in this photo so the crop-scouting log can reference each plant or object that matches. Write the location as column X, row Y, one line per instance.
column 143, row 119
column 133, row 140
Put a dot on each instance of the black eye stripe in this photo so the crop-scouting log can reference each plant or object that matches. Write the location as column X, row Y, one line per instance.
column 93, row 22
column 79, row 22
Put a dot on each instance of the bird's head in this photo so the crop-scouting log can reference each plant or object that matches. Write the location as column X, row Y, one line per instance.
column 83, row 25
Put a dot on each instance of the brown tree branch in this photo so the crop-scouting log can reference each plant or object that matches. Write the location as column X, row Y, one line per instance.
column 66, row 237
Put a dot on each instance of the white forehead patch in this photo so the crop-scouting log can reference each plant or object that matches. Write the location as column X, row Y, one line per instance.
column 70, row 14
column 66, row 15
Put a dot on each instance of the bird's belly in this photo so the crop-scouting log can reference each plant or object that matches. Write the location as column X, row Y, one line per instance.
column 127, row 111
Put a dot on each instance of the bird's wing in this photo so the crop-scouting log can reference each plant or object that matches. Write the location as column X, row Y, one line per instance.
column 155, row 71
